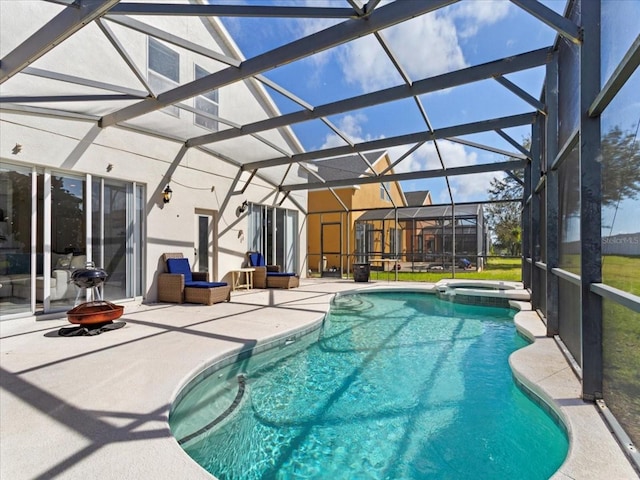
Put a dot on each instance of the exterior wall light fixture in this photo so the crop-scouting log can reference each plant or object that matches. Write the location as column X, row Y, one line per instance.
column 166, row 194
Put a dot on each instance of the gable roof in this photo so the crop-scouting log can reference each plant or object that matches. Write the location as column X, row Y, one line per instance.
column 417, row 198
column 346, row 167
column 428, row 212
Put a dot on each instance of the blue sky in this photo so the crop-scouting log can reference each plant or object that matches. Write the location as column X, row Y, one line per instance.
column 461, row 35
column 464, row 34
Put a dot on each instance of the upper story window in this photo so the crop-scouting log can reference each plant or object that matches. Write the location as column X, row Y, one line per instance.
column 207, row 103
column 383, row 192
column 164, row 71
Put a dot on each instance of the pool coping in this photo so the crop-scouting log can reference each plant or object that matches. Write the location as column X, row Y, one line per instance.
column 540, row 369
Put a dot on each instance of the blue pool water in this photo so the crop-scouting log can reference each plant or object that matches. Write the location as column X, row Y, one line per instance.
column 394, row 386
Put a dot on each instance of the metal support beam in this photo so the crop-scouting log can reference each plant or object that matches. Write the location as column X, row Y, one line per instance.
column 284, row 197
column 85, row 82
column 565, row 150
column 402, row 157
column 619, row 77
column 488, row 148
column 46, row 112
column 465, row 76
column 515, row 178
column 267, row 11
column 560, row 24
column 355, row 4
column 518, row 146
column 552, row 212
column 248, row 182
column 180, row 42
column 399, row 177
column 534, row 208
column 370, row 5
column 122, row 51
column 590, row 205
column 384, row 143
column 70, row 98
column 348, row 30
column 512, row 87
column 284, row 92
column 525, row 225
column 54, row 32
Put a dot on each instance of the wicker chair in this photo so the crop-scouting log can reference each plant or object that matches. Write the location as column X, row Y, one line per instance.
column 270, row 276
column 177, row 287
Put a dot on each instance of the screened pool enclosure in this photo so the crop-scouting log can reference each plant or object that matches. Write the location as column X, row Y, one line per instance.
column 580, row 238
column 424, row 238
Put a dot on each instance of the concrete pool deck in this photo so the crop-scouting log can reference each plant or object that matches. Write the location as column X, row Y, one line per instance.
column 97, row 407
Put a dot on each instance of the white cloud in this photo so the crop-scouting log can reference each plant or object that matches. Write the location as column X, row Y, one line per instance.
column 424, row 46
column 351, row 125
column 426, row 157
column 472, row 16
column 470, row 187
column 465, row 187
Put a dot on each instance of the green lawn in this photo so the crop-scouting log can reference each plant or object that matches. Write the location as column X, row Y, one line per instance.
column 621, row 352
column 622, row 273
column 508, row 269
column 498, row 268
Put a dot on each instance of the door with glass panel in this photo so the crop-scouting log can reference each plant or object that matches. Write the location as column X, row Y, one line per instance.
column 285, row 236
column 109, row 235
column 16, row 272
column 117, row 232
column 204, row 244
column 67, row 237
column 331, row 249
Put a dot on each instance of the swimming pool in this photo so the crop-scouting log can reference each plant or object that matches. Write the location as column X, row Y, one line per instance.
column 395, row 385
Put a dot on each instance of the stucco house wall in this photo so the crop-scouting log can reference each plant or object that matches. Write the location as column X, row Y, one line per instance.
column 200, row 180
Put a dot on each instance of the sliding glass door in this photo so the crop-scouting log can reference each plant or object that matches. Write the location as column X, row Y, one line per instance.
column 67, row 235
column 117, row 230
column 274, row 233
column 52, row 224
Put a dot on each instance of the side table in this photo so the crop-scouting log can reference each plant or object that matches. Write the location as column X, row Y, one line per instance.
column 236, row 277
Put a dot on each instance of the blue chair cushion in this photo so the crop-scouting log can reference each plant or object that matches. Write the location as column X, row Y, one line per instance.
column 256, row 259
column 181, row 266
column 280, row 274
column 197, row 284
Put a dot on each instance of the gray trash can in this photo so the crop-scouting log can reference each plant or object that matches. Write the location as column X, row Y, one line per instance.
column 361, row 272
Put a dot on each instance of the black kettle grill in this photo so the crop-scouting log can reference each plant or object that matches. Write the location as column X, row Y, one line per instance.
column 89, row 277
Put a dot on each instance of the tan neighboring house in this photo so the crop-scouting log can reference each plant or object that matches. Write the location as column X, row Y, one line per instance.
column 331, row 223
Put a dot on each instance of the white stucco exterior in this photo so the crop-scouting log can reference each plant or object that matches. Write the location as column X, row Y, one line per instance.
column 200, row 180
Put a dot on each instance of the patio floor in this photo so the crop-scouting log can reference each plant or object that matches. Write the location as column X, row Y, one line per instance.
column 97, row 407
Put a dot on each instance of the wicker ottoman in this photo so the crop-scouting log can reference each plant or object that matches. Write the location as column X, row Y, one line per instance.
column 207, row 296
column 282, row 280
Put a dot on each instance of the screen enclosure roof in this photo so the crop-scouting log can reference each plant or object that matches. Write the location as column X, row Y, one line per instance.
column 76, row 59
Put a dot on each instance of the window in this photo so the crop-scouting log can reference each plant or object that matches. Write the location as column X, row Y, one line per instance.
column 164, row 71
column 207, row 104
column 383, row 192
